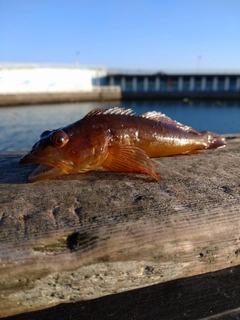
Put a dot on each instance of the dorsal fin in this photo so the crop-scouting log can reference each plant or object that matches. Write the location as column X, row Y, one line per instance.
column 115, row 110
column 160, row 117
column 151, row 115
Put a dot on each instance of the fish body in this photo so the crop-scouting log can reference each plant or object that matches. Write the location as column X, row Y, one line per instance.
column 118, row 141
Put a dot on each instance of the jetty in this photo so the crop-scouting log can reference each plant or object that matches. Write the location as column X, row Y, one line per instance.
column 104, row 245
column 34, row 84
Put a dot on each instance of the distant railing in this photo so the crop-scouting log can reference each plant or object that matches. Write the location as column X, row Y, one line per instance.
column 15, row 66
column 114, row 71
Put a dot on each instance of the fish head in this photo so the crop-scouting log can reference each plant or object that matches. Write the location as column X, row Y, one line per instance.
column 63, row 151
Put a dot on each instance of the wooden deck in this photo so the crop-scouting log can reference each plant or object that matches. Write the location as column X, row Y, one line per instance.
column 121, row 243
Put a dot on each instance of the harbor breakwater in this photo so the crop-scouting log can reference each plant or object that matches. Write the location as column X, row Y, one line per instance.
column 108, row 94
column 34, row 84
column 96, row 94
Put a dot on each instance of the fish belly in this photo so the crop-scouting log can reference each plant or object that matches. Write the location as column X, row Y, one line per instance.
column 169, row 146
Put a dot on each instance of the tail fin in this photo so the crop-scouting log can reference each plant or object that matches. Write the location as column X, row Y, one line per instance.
column 213, row 140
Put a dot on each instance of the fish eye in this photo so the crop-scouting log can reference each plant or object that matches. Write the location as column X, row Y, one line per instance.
column 59, row 139
column 45, row 133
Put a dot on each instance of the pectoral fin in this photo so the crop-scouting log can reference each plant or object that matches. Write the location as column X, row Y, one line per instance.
column 129, row 159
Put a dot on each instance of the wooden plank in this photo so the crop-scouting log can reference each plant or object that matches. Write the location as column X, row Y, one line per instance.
column 214, row 295
column 86, row 236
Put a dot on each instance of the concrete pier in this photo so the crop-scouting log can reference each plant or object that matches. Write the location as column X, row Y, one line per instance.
column 54, row 84
column 97, row 94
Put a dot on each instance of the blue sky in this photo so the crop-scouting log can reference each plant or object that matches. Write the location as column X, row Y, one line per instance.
column 132, row 34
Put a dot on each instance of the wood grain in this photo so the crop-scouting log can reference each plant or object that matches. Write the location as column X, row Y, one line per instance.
column 86, row 236
column 210, row 296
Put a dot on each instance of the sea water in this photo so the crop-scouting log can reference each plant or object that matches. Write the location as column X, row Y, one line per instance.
column 21, row 126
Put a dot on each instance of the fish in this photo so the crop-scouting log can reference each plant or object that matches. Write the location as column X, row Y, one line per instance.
column 116, row 140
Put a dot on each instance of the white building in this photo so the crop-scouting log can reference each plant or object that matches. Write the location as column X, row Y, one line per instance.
column 17, row 79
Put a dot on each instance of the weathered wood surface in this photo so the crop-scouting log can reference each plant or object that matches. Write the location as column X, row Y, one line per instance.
column 209, row 296
column 85, row 236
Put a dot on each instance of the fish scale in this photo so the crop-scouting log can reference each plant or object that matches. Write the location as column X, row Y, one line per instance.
column 118, row 141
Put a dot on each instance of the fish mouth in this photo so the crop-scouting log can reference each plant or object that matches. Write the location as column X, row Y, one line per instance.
column 46, row 169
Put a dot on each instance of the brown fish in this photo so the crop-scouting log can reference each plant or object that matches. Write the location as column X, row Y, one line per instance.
column 118, row 141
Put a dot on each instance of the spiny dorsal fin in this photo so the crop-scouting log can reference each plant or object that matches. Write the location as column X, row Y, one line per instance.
column 115, row 110
column 160, row 117
column 151, row 115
